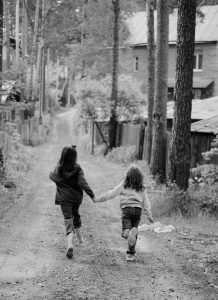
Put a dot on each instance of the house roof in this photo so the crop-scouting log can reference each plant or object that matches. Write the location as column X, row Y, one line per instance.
column 201, row 109
column 197, row 83
column 206, row 126
column 206, row 28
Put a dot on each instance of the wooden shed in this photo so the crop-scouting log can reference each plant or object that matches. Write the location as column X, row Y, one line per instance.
column 202, row 135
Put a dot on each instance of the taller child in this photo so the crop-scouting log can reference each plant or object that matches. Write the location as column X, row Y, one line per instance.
column 70, row 182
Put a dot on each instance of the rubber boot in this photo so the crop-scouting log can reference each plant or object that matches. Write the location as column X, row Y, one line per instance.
column 79, row 235
column 70, row 237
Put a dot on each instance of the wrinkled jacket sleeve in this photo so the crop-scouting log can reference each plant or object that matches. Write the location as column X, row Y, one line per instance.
column 147, row 205
column 52, row 176
column 110, row 194
column 84, row 184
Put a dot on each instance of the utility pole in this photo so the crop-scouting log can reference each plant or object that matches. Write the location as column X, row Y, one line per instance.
column 17, row 30
column 48, row 77
column 69, row 87
column 24, row 29
column 57, row 78
column 42, row 77
column 24, row 48
column 33, row 51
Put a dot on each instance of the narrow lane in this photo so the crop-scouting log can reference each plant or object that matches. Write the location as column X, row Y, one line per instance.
column 32, row 242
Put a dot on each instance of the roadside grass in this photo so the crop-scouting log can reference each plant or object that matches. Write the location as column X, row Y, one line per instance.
column 167, row 200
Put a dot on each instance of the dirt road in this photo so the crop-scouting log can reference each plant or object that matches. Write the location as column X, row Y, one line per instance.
column 33, row 265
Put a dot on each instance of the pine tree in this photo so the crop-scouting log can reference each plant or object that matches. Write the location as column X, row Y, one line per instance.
column 113, row 116
column 180, row 153
column 158, row 154
column 151, row 75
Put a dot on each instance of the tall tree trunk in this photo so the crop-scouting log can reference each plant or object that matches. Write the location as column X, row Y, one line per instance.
column 180, row 153
column 114, row 91
column 17, row 30
column 24, row 29
column 34, row 48
column 1, row 37
column 158, row 155
column 7, row 35
column 151, row 75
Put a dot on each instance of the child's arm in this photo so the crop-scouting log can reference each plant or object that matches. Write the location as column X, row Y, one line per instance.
column 147, row 207
column 53, row 176
column 84, row 185
column 110, row 194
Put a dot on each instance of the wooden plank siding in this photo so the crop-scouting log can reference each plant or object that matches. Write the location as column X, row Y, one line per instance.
column 209, row 68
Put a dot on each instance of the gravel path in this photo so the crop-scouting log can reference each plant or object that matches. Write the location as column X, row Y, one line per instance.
column 177, row 265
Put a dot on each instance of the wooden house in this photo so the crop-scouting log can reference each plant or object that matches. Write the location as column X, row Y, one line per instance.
column 205, row 78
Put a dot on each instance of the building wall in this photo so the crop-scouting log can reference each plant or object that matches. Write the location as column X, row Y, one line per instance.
column 209, row 69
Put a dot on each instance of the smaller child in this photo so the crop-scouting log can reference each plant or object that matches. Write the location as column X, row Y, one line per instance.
column 132, row 198
column 70, row 181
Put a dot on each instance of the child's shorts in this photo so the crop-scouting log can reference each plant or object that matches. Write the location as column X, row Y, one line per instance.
column 131, row 217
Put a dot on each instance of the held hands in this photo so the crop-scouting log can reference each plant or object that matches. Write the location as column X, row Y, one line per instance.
column 151, row 219
column 94, row 199
column 98, row 199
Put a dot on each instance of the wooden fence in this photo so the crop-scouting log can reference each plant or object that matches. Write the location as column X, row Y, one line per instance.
column 31, row 132
column 136, row 135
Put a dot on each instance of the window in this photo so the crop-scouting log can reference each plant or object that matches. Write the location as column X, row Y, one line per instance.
column 136, row 64
column 198, row 62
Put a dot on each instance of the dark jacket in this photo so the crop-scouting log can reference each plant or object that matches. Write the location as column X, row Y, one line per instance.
column 70, row 185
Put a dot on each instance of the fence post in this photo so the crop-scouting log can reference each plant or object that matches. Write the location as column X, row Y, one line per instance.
column 93, row 137
column 141, row 141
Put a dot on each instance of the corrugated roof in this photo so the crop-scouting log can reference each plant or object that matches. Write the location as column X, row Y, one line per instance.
column 201, row 109
column 206, row 126
column 206, row 28
column 197, row 83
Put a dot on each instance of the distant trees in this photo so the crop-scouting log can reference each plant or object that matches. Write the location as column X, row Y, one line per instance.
column 180, row 145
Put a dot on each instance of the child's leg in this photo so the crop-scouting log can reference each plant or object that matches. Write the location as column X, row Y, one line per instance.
column 126, row 223
column 68, row 222
column 77, row 223
column 135, row 214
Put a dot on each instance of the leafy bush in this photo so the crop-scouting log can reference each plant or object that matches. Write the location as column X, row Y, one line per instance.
column 122, row 155
column 205, row 197
column 15, row 156
column 204, row 174
column 204, row 188
column 211, row 156
column 93, row 97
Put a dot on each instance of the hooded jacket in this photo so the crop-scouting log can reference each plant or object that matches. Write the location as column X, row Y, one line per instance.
column 70, row 185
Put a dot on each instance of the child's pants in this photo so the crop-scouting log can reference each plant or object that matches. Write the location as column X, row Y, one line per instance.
column 131, row 217
column 72, row 218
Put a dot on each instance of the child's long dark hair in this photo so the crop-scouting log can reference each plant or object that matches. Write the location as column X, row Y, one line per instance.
column 134, row 179
column 68, row 158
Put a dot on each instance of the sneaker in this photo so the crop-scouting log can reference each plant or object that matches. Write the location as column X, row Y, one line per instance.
column 132, row 237
column 69, row 253
column 130, row 257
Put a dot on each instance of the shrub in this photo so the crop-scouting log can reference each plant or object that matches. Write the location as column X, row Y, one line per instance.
column 94, row 97
column 205, row 197
column 15, row 156
column 122, row 155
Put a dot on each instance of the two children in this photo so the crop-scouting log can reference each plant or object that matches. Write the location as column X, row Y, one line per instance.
column 70, row 181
